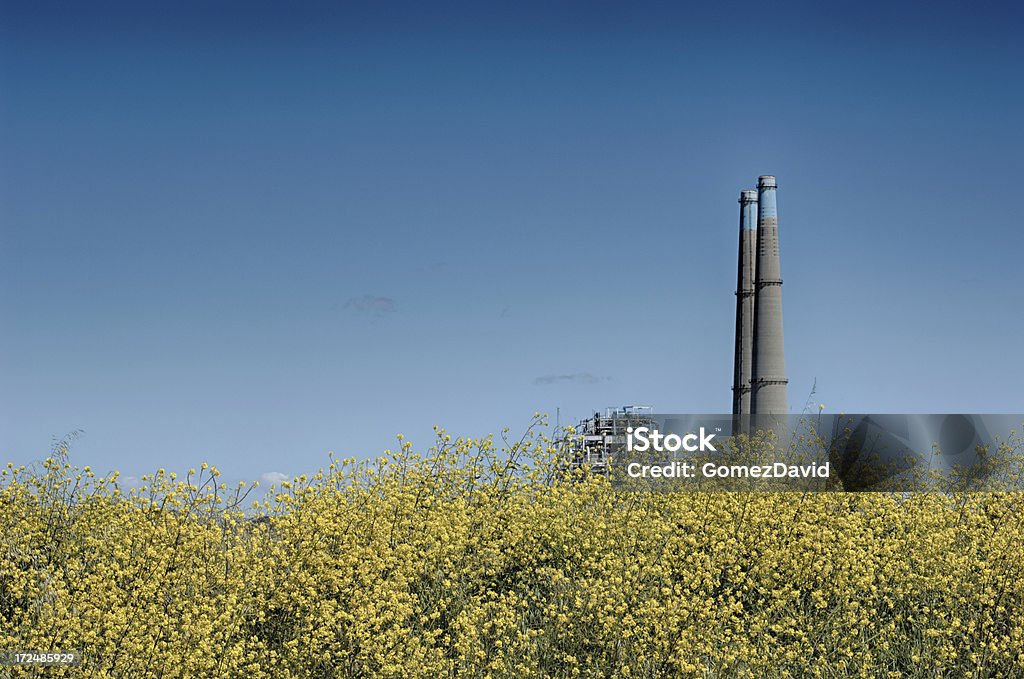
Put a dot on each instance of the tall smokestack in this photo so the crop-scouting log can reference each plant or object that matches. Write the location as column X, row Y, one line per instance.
column 745, row 288
column 768, row 375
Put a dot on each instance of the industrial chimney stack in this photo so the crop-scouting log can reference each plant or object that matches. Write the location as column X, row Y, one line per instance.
column 745, row 295
column 768, row 371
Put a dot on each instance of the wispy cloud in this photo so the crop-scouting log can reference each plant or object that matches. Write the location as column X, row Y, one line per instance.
column 575, row 378
column 432, row 266
column 376, row 305
column 273, row 477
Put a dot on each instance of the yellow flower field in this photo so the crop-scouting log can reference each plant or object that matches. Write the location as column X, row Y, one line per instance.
column 477, row 560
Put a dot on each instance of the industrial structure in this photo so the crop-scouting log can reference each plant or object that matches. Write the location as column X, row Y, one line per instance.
column 746, row 288
column 598, row 438
column 759, row 367
column 768, row 368
column 759, row 371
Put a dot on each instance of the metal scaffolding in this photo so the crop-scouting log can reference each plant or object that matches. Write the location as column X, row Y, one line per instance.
column 598, row 439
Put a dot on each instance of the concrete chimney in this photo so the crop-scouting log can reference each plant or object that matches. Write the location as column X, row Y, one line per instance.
column 768, row 370
column 745, row 289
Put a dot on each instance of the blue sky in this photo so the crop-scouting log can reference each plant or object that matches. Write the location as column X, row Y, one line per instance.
column 254, row 233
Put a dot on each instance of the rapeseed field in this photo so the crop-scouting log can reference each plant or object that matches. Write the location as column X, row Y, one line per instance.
column 478, row 559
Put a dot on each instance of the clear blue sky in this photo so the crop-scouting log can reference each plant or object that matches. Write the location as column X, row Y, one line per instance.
column 254, row 233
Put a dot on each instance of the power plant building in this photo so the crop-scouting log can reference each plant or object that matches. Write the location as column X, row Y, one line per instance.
column 759, row 388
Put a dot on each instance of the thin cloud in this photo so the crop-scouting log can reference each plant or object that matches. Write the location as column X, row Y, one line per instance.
column 273, row 477
column 575, row 378
column 432, row 266
column 371, row 304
